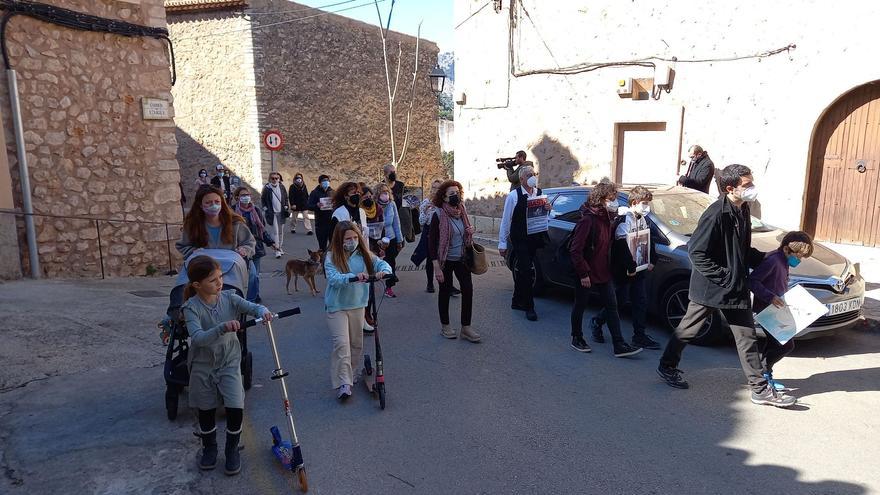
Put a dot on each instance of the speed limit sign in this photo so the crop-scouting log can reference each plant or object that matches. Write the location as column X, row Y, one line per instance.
column 273, row 140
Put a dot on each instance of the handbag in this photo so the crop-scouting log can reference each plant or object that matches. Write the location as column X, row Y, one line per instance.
column 475, row 259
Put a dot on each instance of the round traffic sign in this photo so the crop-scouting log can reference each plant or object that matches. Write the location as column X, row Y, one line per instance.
column 273, row 140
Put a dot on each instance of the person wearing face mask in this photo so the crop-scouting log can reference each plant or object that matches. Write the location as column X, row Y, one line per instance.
column 346, row 201
column 244, row 206
column 450, row 233
column 375, row 219
column 590, row 256
column 426, row 213
column 395, row 185
column 721, row 254
column 514, row 233
column 768, row 283
column 345, row 301
column 203, row 179
column 323, row 214
column 630, row 284
column 222, row 182
column 392, row 230
column 276, row 209
column 211, row 224
column 299, row 203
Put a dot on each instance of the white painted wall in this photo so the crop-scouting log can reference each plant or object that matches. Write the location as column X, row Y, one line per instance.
column 759, row 112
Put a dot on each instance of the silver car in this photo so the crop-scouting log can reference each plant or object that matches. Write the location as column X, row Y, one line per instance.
column 675, row 210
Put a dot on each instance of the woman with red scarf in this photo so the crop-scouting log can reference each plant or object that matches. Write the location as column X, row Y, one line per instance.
column 450, row 233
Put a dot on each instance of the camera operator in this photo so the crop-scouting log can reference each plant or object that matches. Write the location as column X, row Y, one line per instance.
column 512, row 166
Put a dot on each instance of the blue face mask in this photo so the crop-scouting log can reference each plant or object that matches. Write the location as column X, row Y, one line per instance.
column 325, row 184
column 793, row 260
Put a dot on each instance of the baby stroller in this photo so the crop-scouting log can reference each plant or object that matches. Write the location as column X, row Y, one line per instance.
column 235, row 277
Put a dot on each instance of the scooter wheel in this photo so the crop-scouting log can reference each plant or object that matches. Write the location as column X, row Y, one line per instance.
column 171, row 400
column 303, row 480
column 247, row 370
column 380, row 389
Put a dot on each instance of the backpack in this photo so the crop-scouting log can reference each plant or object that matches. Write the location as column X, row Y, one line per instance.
column 563, row 252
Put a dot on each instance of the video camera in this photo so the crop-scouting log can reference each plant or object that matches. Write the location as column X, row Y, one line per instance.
column 505, row 162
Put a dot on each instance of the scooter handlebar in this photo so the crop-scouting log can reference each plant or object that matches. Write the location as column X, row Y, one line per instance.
column 372, row 278
column 281, row 314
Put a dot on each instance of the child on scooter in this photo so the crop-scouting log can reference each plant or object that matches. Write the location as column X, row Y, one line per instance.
column 215, row 357
column 768, row 283
column 345, row 301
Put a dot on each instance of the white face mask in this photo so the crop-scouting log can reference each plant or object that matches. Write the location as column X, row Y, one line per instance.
column 350, row 245
column 750, row 194
column 612, row 206
column 641, row 209
column 532, row 182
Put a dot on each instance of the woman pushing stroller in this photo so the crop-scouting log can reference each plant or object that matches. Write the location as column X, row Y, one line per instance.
column 214, row 360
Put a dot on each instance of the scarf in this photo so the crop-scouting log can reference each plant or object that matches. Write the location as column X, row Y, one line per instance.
column 372, row 212
column 250, row 213
column 446, row 227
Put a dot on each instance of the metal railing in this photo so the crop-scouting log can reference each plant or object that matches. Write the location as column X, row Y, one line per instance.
column 97, row 223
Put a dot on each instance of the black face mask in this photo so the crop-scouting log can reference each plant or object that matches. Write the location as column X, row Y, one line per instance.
column 354, row 199
column 368, row 203
column 392, row 176
column 454, row 200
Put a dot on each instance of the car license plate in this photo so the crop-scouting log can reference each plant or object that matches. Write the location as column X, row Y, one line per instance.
column 844, row 306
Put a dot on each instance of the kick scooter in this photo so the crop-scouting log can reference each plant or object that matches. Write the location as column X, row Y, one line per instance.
column 288, row 453
column 375, row 383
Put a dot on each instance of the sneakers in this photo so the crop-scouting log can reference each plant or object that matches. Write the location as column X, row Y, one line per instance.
column 772, row 397
column 447, row 331
column 579, row 344
column 645, row 342
column 277, row 254
column 596, row 330
column 293, row 231
column 531, row 315
column 368, row 329
column 429, row 288
column 309, row 233
column 773, row 383
column 469, row 334
column 455, row 292
column 343, row 392
column 390, row 293
column 672, row 376
column 623, row 349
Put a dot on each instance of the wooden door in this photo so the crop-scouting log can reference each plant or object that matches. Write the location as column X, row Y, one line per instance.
column 843, row 204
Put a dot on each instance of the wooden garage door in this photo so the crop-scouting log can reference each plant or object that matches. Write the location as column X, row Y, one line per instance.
column 846, row 155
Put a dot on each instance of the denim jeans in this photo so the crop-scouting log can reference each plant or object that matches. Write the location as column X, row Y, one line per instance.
column 253, row 291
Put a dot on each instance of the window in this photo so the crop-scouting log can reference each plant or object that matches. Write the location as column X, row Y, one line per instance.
column 566, row 206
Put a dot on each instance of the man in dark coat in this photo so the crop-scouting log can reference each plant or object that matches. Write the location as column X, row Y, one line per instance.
column 322, row 215
column 721, row 254
column 700, row 172
column 222, row 182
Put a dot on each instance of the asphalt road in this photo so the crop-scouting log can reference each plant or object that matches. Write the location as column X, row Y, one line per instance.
column 519, row 413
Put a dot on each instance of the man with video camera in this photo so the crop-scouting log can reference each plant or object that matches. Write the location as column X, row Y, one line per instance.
column 512, row 166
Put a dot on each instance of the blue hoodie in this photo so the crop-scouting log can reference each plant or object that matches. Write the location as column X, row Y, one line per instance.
column 341, row 294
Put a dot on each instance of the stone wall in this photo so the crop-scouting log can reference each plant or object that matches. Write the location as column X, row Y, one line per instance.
column 756, row 111
column 90, row 153
column 320, row 81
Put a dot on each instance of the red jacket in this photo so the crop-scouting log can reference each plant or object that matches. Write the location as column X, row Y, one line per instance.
column 591, row 245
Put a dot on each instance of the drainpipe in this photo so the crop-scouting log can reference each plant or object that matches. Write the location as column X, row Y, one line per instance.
column 30, row 231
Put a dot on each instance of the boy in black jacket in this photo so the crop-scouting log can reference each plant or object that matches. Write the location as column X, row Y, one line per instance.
column 628, row 279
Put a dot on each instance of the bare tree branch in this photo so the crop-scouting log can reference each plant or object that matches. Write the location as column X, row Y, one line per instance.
column 397, row 76
column 390, row 11
column 412, row 97
column 387, row 80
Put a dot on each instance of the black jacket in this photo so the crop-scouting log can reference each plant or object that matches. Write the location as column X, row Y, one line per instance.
column 266, row 198
column 721, row 253
column 699, row 174
column 622, row 261
column 223, row 184
column 298, row 196
column 322, row 217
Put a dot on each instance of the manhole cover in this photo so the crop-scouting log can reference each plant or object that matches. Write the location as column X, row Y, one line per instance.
column 147, row 293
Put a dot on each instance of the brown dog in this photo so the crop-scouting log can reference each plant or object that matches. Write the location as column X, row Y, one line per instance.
column 305, row 269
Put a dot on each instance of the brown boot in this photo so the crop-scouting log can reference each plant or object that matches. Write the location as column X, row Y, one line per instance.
column 447, row 331
column 469, row 334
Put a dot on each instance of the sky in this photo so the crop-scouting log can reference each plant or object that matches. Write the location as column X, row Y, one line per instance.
column 435, row 14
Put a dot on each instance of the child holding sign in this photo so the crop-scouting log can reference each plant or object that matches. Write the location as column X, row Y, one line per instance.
column 768, row 283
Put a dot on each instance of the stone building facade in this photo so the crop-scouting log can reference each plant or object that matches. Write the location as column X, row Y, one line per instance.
column 91, row 154
column 318, row 78
column 524, row 82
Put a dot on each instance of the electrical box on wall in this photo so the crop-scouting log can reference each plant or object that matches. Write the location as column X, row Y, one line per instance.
column 460, row 98
column 625, row 87
column 664, row 76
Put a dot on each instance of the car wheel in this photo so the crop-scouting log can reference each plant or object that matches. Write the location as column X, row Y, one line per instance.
column 675, row 303
column 537, row 273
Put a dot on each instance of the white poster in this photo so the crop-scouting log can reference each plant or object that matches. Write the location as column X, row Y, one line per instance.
column 537, row 215
column 800, row 311
column 639, row 242
column 325, row 204
column 375, row 229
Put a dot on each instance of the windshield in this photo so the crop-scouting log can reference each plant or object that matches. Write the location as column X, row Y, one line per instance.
column 681, row 212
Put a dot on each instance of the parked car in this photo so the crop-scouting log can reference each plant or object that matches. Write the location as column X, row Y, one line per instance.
column 675, row 210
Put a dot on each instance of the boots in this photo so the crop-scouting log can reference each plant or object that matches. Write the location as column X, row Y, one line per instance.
column 209, row 449
column 447, row 331
column 233, row 458
column 469, row 334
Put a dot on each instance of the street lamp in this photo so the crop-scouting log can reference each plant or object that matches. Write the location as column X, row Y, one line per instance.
column 438, row 79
